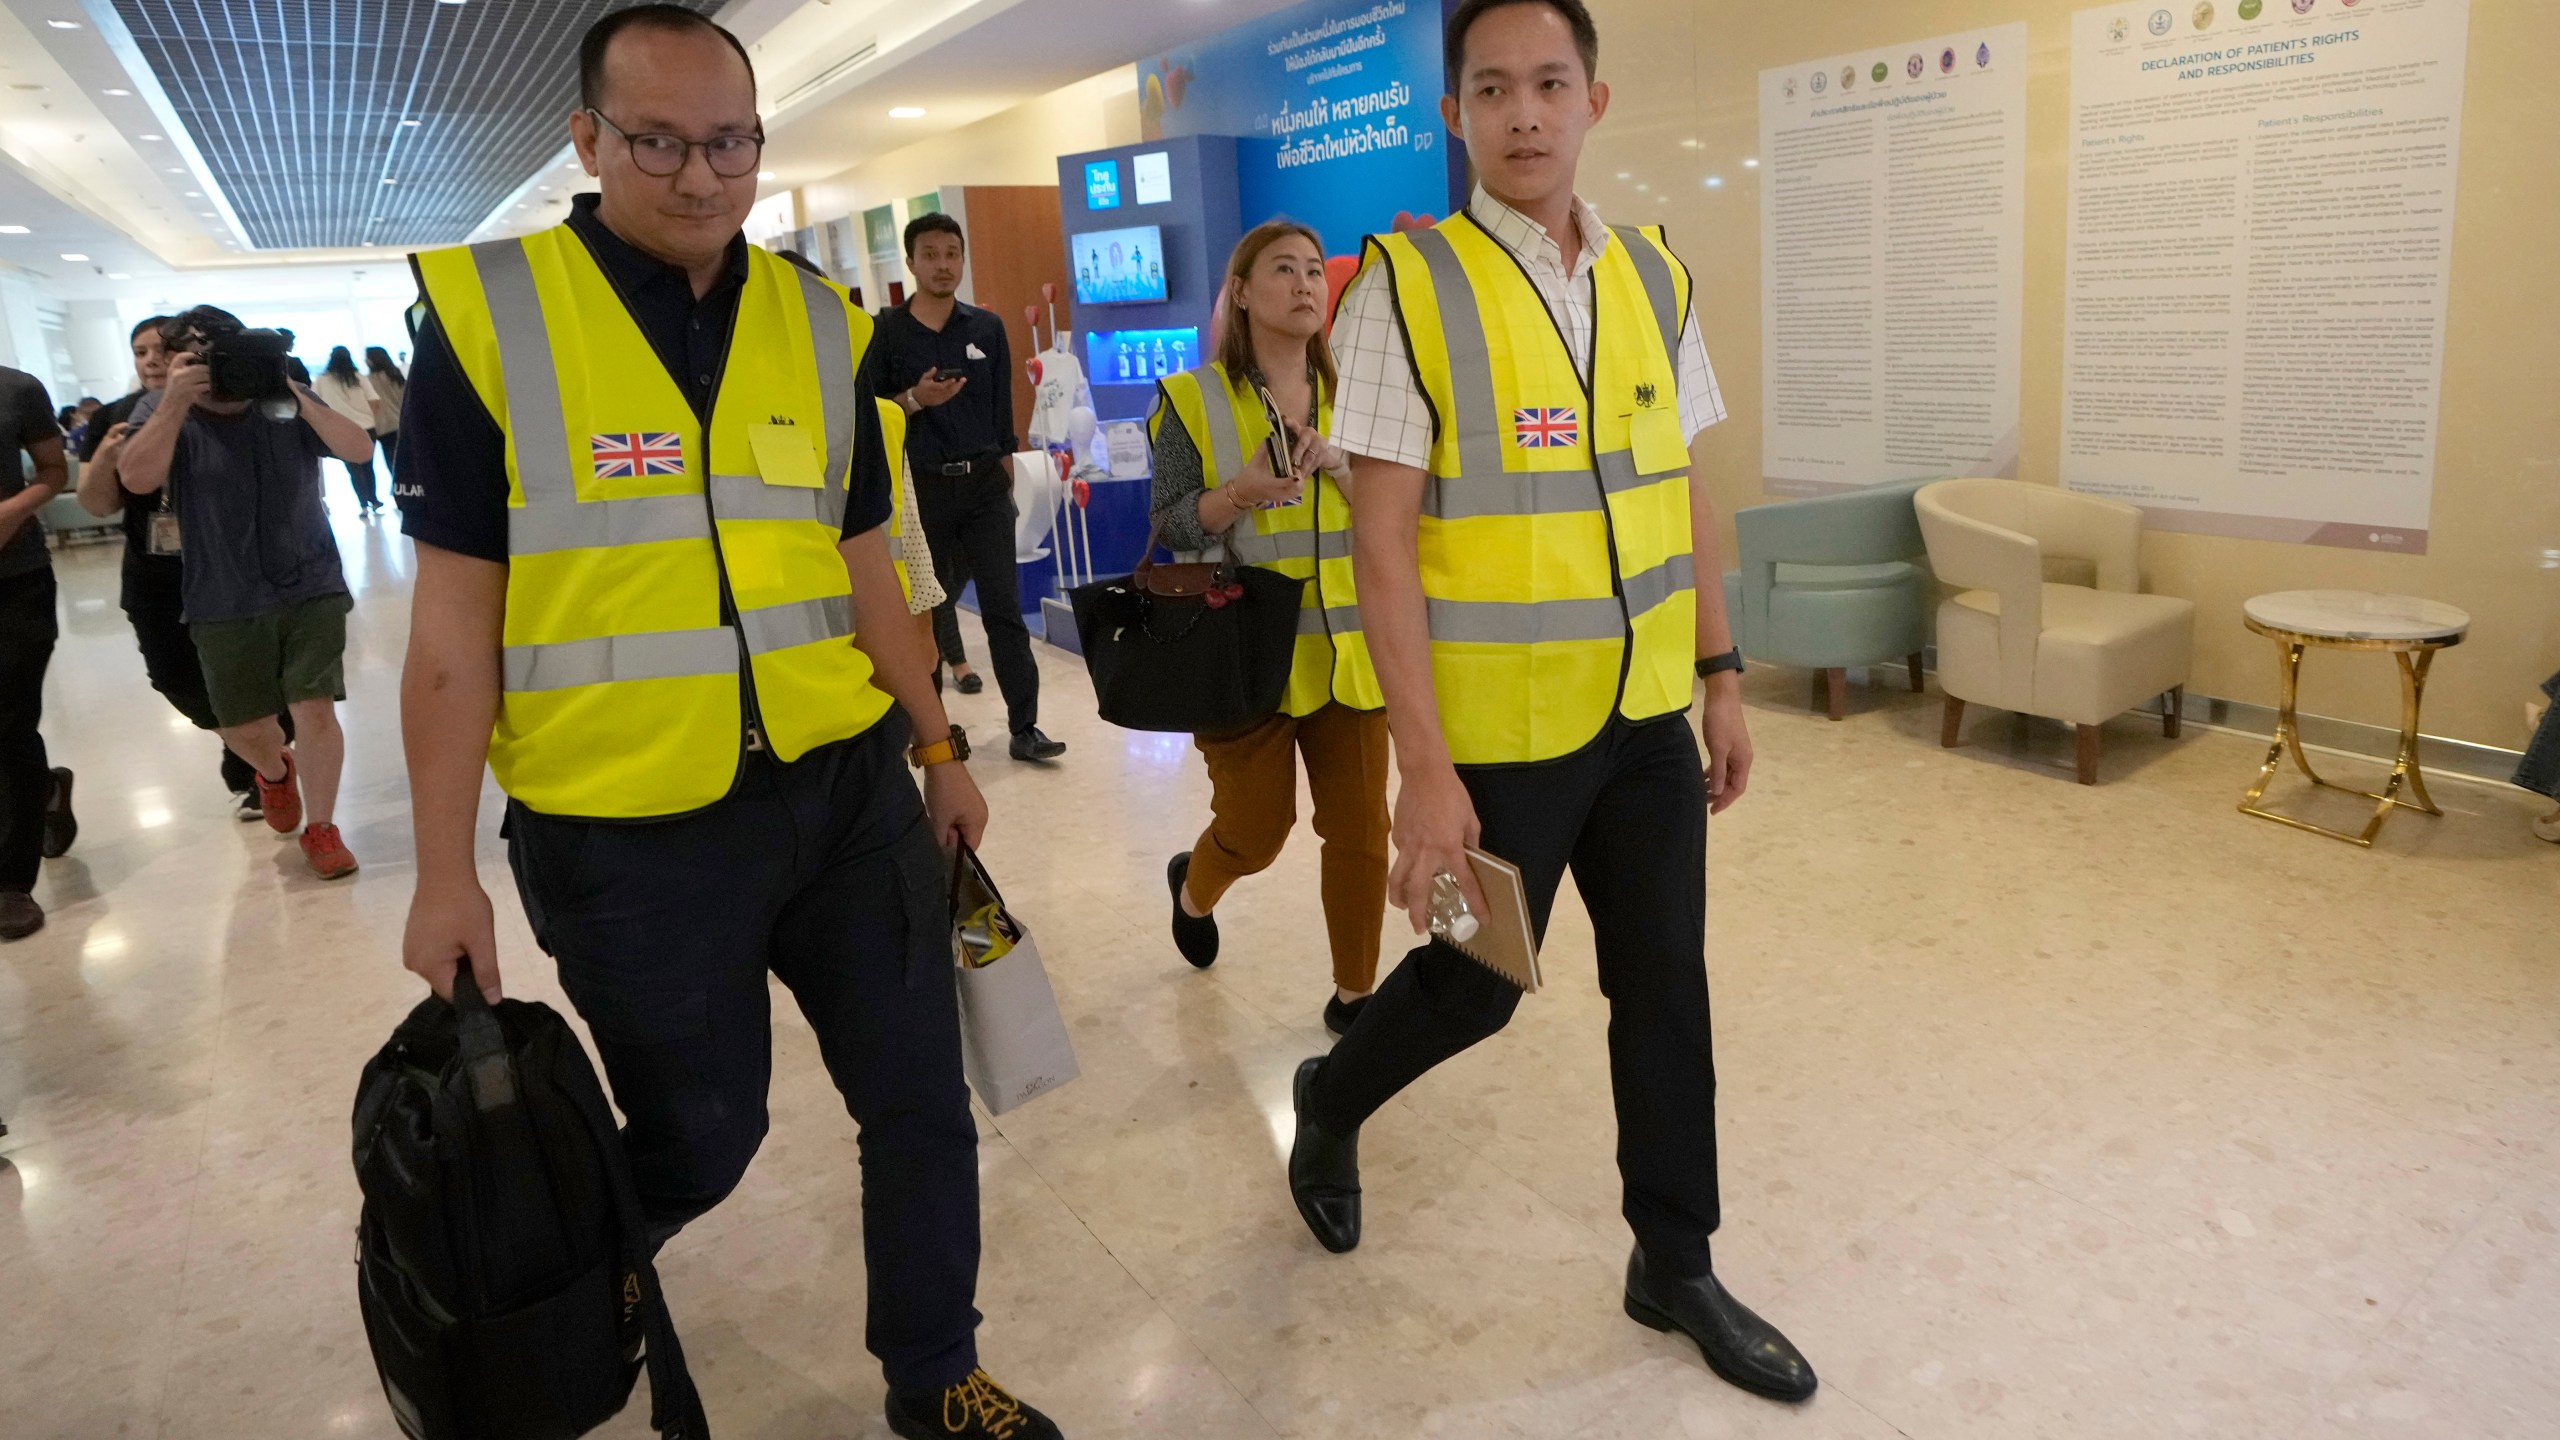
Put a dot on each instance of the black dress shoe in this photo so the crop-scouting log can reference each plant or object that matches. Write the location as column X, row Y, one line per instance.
column 1324, row 1172
column 1196, row 936
column 20, row 915
column 61, row 827
column 1032, row 745
column 1740, row 1346
column 969, row 684
column 1340, row 1014
column 975, row 1409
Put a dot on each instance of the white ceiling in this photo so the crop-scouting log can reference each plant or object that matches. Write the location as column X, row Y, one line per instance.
column 114, row 178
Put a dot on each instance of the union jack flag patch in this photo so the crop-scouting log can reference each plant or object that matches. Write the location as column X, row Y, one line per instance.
column 1540, row 429
column 627, row 456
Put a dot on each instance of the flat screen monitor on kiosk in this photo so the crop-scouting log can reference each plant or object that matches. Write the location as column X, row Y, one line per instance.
column 1119, row 267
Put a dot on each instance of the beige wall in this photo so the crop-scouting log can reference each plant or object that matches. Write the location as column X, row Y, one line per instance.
column 1685, row 70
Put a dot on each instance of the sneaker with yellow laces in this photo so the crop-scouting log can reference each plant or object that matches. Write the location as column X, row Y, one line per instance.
column 975, row 1409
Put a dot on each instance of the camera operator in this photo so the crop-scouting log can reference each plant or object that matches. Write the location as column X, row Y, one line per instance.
column 152, row 590
column 237, row 445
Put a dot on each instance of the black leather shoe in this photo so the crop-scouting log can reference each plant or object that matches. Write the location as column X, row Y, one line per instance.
column 1740, row 1346
column 1196, row 936
column 1032, row 745
column 1340, row 1014
column 61, row 827
column 20, row 915
column 975, row 1409
column 1324, row 1172
column 969, row 684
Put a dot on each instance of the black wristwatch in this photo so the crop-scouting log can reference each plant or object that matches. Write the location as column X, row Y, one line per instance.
column 1718, row 664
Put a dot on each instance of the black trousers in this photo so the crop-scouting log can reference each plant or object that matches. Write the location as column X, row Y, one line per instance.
column 1628, row 815
column 27, row 632
column 169, row 659
column 822, row 872
column 360, row 476
column 968, row 525
column 389, row 440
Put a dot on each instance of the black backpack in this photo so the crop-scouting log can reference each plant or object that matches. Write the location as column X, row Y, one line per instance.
column 501, row 1260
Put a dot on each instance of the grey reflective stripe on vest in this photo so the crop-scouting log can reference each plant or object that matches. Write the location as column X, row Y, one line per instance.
column 833, row 339
column 748, row 497
column 1470, row 358
column 1510, row 492
column 1618, row 472
column 1336, row 619
column 802, row 622
column 1496, row 622
column 1648, row 588
column 534, row 419
column 1253, row 547
column 661, row 655
column 540, row 529
column 1655, row 272
column 1226, row 445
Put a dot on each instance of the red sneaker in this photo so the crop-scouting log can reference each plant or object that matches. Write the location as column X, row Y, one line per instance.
column 280, row 799
column 327, row 853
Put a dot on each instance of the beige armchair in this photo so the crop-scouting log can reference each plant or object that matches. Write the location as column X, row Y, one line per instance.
column 2013, row 639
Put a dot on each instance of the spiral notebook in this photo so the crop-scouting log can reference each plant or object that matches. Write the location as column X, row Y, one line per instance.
column 1503, row 943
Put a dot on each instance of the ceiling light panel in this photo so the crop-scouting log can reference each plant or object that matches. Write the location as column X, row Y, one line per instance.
column 296, row 107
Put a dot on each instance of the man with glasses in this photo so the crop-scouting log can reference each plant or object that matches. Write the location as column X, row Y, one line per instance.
column 654, row 596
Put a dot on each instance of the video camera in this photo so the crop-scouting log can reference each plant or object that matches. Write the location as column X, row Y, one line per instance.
column 241, row 363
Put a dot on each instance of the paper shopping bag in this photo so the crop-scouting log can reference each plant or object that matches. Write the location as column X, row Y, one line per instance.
column 1013, row 1042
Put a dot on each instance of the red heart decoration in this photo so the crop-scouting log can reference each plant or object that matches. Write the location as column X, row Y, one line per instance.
column 1215, row 599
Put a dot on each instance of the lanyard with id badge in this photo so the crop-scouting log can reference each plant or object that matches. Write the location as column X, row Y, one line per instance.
column 162, row 538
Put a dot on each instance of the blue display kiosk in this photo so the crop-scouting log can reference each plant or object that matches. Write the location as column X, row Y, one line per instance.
column 1148, row 231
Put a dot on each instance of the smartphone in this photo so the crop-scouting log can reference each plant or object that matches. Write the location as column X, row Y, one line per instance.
column 1275, row 446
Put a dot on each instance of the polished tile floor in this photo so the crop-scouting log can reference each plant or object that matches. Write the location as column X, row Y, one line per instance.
column 2047, row 1111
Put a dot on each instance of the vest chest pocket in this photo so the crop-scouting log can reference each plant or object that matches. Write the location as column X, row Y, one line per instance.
column 1653, row 435
column 785, row 456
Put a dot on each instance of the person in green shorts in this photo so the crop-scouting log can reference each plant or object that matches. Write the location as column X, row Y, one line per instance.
column 266, row 598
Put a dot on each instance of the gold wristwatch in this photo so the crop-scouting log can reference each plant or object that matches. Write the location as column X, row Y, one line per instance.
column 955, row 746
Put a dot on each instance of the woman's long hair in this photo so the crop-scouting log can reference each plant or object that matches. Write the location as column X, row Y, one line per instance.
column 341, row 366
column 1235, row 343
column 378, row 360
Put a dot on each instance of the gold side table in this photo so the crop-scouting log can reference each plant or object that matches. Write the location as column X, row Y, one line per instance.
column 2411, row 630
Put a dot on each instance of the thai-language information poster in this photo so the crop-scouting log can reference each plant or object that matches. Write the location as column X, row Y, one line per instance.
column 1892, row 242
column 2261, row 221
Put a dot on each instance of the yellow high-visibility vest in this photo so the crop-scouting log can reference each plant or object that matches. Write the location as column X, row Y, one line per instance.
column 1310, row 540
column 1554, row 542
column 630, row 523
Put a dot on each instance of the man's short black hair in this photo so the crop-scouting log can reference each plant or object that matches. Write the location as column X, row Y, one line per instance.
column 933, row 222
column 1577, row 17
column 599, row 38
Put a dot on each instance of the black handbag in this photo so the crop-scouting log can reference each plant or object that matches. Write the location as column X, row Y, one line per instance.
column 502, row 1263
column 1190, row 647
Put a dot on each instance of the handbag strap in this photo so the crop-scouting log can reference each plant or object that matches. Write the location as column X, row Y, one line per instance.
column 1146, row 565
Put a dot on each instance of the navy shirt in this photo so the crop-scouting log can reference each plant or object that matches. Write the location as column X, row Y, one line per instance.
column 974, row 425
column 255, row 535
column 26, row 421
column 452, row 480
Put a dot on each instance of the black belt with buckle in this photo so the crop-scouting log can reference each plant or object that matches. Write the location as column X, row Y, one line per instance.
column 966, row 467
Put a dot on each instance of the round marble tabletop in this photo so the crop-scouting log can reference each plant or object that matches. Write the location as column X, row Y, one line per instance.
column 2358, row 615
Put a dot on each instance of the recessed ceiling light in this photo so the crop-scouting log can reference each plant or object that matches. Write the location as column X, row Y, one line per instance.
column 1715, row 182
column 1688, row 144
column 13, row 229
column 387, row 180
column 151, row 137
column 195, row 194
column 64, row 24
column 406, row 124
column 906, row 112
column 1751, row 164
column 1626, row 175
column 542, row 187
column 206, row 214
column 115, row 92
column 118, row 275
column 1642, row 188
column 75, row 259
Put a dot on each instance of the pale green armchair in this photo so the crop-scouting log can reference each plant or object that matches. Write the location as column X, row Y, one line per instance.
column 1832, row 582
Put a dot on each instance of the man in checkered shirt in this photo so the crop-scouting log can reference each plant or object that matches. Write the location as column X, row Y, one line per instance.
column 1627, row 810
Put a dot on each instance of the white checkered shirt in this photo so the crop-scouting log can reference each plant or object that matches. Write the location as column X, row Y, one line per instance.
column 1380, row 411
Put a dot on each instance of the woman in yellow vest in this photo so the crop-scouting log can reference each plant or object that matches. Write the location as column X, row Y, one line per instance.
column 1215, row 485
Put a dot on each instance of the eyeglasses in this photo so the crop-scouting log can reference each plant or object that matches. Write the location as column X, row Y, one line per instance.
column 731, row 157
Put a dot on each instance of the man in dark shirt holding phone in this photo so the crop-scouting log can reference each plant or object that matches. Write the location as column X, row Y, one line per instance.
column 947, row 365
